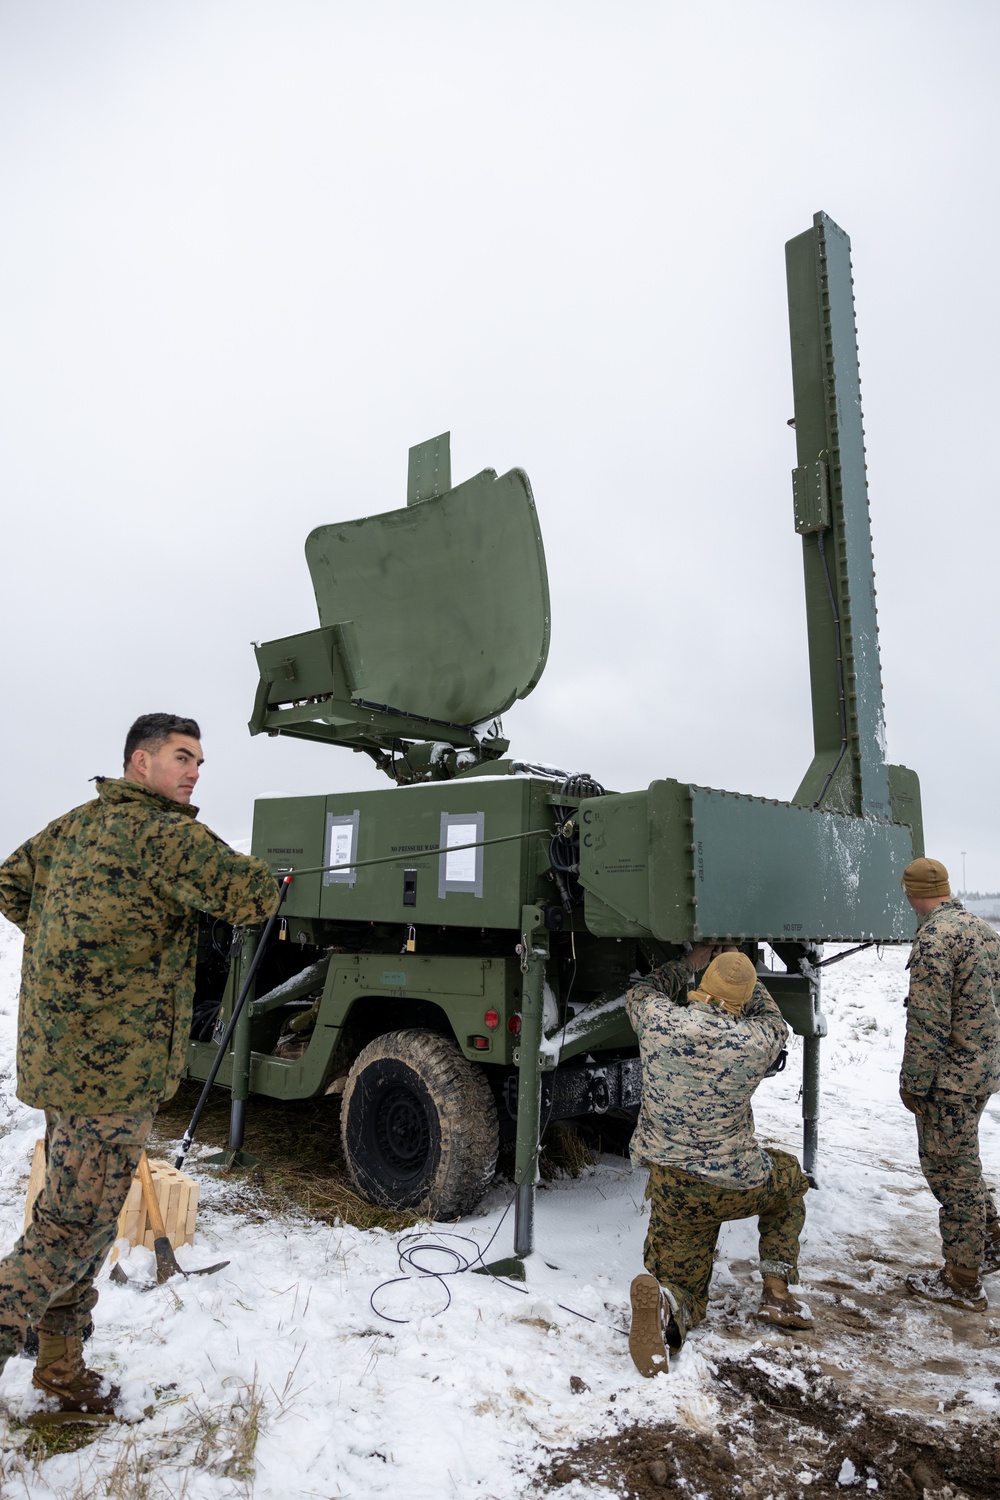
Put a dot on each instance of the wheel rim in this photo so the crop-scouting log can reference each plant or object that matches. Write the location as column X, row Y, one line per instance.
column 402, row 1133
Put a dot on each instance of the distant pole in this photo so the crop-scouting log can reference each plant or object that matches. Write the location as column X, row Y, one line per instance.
column 964, row 886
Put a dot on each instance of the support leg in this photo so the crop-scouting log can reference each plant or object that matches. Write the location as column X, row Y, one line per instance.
column 234, row 1155
column 534, row 952
column 810, row 1106
column 529, row 1089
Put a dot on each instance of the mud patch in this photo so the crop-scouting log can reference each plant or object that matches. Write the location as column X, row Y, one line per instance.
column 787, row 1432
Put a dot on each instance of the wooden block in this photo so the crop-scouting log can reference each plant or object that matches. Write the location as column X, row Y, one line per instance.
column 192, row 1211
column 34, row 1181
column 177, row 1197
column 170, row 1216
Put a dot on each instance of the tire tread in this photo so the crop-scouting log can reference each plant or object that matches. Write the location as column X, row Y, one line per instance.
column 466, row 1111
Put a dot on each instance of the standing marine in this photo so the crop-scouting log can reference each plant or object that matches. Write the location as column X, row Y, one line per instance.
column 703, row 1053
column 951, row 1066
column 108, row 898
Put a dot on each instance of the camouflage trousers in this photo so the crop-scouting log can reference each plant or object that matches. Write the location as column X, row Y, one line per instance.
column 686, row 1215
column 948, row 1142
column 47, row 1280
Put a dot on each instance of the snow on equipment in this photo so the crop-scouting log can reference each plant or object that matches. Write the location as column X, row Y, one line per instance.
column 458, row 976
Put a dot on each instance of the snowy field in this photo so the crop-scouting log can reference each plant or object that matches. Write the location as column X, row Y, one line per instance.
column 359, row 1381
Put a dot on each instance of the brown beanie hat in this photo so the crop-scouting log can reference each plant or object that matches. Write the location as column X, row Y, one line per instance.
column 926, row 878
column 730, row 979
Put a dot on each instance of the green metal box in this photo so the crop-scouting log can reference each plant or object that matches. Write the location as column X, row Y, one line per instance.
column 403, row 826
column 684, row 863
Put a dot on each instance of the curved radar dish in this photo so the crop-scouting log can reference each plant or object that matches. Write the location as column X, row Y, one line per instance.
column 434, row 620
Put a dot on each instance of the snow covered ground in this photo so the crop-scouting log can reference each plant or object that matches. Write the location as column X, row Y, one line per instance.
column 361, row 1382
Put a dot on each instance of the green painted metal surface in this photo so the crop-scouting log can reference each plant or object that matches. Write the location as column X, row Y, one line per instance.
column 467, row 629
column 683, row 863
column 831, row 509
column 360, row 986
column 775, row 871
column 434, row 620
column 429, row 470
column 473, row 888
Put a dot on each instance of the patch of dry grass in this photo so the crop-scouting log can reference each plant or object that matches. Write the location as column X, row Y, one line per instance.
column 297, row 1145
column 565, row 1152
column 220, row 1439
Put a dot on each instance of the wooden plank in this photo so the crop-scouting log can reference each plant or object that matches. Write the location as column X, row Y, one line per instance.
column 192, row 1210
column 35, row 1180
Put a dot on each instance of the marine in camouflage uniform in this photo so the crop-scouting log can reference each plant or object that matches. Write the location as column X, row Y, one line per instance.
column 108, row 898
column 951, row 1066
column 703, row 1053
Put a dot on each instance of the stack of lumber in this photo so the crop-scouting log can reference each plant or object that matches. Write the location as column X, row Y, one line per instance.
column 176, row 1194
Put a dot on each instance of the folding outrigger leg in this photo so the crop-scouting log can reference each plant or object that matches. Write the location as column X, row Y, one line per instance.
column 533, row 950
column 797, row 996
column 234, row 1155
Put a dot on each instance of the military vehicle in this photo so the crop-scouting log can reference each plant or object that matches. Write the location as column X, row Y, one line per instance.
column 455, row 949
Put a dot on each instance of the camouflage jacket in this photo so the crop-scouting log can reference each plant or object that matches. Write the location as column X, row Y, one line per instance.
column 700, row 1067
column 953, row 1008
column 108, row 898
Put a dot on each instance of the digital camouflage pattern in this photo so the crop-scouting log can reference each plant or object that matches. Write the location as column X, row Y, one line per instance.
column 948, row 1142
column 700, row 1067
column 686, row 1213
column 47, row 1280
column 108, row 897
column 953, row 1013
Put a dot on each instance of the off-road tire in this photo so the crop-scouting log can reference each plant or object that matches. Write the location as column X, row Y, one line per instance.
column 419, row 1125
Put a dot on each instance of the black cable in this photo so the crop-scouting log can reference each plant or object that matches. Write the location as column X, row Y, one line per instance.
column 223, row 952
column 405, row 1257
column 564, row 846
column 461, row 1262
column 401, row 744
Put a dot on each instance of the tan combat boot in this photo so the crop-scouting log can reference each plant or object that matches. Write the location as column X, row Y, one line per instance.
column 778, row 1306
column 646, row 1342
column 957, row 1286
column 80, row 1395
column 659, row 1322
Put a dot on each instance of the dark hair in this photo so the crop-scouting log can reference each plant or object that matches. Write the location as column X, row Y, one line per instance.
column 150, row 731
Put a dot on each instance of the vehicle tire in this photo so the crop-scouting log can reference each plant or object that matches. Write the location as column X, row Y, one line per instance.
column 419, row 1125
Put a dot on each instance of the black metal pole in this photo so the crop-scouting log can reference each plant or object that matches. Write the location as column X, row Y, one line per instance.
column 251, row 974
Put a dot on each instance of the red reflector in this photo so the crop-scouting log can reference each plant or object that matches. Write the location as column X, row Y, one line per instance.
column 492, row 1019
column 481, row 1042
column 514, row 1025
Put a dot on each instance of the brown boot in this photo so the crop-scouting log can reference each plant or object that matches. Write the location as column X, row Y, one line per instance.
column 957, row 1286
column 647, row 1330
column 778, row 1306
column 79, row 1394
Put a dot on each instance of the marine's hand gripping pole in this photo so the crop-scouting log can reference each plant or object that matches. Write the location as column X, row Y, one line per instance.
column 226, row 1037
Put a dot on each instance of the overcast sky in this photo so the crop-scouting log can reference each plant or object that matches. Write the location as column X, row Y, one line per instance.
column 253, row 251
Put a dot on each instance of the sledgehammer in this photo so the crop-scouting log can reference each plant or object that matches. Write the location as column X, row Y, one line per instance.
column 166, row 1260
